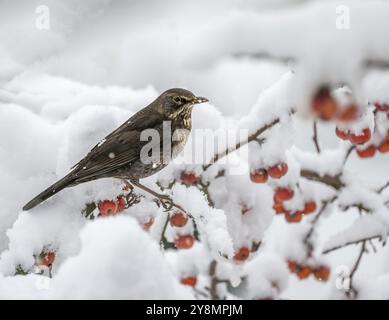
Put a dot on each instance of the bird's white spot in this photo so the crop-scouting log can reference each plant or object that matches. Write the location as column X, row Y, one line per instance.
column 84, row 167
column 111, row 155
column 155, row 165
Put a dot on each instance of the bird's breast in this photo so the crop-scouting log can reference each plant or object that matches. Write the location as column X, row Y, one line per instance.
column 179, row 139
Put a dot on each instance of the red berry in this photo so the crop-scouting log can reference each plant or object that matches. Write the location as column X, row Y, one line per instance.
column 242, row 254
column 322, row 273
column 279, row 208
column 178, row 219
column 189, row 281
column 111, row 207
column 349, row 113
column 295, row 217
column 184, row 242
column 278, row 171
column 292, row 265
column 259, row 176
column 189, row 178
column 283, row 194
column 48, row 259
column 324, row 104
column 384, row 147
column 344, row 135
column 361, row 138
column 107, row 207
column 366, row 153
column 304, row 272
column 309, row 207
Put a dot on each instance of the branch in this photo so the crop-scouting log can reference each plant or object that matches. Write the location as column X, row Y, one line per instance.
column 163, row 240
column 377, row 64
column 264, row 56
column 348, row 154
column 214, row 281
column 380, row 190
column 315, row 139
column 253, row 137
column 307, row 239
column 332, row 181
column 163, row 199
column 352, row 290
column 379, row 237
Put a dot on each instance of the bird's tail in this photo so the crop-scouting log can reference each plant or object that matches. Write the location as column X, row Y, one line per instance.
column 50, row 191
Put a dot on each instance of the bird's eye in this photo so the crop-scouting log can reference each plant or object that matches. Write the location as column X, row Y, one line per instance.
column 177, row 100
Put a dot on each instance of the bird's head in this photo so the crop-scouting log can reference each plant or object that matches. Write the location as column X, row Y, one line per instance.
column 175, row 102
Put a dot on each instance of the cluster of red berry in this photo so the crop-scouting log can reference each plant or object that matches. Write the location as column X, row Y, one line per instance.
column 327, row 108
column 179, row 220
column 112, row 207
column 356, row 139
column 262, row 175
column 284, row 194
column 303, row 271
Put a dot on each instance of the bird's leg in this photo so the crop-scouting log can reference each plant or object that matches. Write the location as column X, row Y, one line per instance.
column 127, row 186
column 131, row 197
column 164, row 199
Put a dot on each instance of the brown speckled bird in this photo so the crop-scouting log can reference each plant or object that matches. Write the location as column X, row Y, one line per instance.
column 118, row 155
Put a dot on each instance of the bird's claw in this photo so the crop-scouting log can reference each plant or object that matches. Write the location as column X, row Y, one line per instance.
column 166, row 202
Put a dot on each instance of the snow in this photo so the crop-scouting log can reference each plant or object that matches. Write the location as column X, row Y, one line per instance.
column 108, row 266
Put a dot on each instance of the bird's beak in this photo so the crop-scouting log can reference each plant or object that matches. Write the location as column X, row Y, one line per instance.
column 199, row 100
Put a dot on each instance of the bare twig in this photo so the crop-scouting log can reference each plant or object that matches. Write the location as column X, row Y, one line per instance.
column 352, row 292
column 379, row 237
column 252, row 137
column 308, row 236
column 163, row 199
column 359, row 206
column 214, row 281
column 264, row 56
column 315, row 137
column 348, row 154
column 163, row 240
column 377, row 64
column 332, row 181
column 386, row 185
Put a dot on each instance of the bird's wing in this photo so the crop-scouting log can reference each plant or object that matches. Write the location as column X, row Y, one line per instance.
column 120, row 148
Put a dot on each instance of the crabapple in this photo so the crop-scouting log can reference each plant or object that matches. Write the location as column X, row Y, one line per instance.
column 184, row 241
column 361, row 138
column 259, row 176
column 278, row 171
column 178, row 219
column 189, row 178
column 366, row 153
column 283, row 194
column 242, row 254
column 324, row 104
column 189, row 281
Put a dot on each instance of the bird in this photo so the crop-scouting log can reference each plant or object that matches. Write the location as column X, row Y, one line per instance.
column 126, row 154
